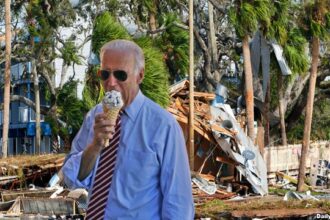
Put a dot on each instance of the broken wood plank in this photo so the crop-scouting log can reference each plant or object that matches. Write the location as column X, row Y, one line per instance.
column 226, row 160
column 293, row 180
column 222, row 130
column 206, row 96
column 178, row 86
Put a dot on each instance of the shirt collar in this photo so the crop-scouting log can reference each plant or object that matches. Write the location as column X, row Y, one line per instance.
column 133, row 109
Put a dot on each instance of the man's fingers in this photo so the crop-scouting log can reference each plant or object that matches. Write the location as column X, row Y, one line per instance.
column 103, row 128
column 102, row 122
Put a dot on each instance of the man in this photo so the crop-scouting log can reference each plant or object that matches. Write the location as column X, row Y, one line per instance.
column 151, row 179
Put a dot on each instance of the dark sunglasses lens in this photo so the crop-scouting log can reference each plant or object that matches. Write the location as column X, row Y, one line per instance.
column 121, row 75
column 105, row 74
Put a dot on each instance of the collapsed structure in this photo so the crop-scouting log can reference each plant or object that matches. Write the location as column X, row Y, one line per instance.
column 222, row 147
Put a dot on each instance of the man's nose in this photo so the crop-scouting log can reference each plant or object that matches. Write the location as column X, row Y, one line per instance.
column 112, row 81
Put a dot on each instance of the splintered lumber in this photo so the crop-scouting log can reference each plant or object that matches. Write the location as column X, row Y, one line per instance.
column 222, row 130
column 7, row 179
column 293, row 180
column 179, row 86
column 206, row 96
column 18, row 169
column 208, row 177
column 226, row 160
column 201, row 130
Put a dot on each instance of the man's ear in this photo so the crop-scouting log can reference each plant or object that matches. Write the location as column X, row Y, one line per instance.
column 140, row 76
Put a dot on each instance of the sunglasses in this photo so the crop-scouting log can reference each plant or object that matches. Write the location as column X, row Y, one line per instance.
column 120, row 75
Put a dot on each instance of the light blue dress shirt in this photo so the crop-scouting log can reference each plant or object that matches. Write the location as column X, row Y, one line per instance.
column 152, row 176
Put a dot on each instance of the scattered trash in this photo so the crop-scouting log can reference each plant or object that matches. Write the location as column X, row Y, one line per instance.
column 300, row 196
column 208, row 187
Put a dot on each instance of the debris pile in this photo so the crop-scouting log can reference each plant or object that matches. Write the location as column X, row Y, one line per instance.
column 24, row 193
column 20, row 171
column 224, row 153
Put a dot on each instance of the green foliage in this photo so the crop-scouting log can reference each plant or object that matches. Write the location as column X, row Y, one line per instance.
column 278, row 28
column 327, row 18
column 70, row 53
column 320, row 124
column 291, row 39
column 174, row 43
column 149, row 5
column 274, row 77
column 155, row 83
column 297, row 60
column 69, row 107
column 93, row 91
column 106, row 29
column 315, row 19
column 114, row 5
column 295, row 51
column 246, row 16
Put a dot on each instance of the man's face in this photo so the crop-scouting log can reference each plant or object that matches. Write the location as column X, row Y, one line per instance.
column 121, row 60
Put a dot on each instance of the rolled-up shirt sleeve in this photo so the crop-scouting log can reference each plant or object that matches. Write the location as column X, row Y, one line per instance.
column 72, row 162
column 175, row 178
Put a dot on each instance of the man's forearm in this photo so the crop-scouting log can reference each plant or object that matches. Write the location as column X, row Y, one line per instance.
column 87, row 163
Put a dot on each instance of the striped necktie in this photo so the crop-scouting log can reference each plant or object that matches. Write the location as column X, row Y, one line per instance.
column 103, row 178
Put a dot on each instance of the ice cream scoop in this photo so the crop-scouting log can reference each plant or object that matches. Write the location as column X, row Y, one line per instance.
column 112, row 103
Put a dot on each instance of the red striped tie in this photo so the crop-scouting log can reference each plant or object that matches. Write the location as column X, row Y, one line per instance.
column 103, row 178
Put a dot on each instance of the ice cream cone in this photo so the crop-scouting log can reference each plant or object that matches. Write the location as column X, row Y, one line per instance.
column 112, row 104
column 112, row 115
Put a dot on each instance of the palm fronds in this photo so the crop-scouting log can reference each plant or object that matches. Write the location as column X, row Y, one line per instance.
column 106, row 29
column 174, row 43
column 295, row 51
column 315, row 19
column 155, row 83
column 246, row 16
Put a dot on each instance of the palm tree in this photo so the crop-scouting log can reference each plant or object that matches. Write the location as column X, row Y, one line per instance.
column 212, row 37
column 317, row 27
column 7, row 81
column 284, row 31
column 245, row 16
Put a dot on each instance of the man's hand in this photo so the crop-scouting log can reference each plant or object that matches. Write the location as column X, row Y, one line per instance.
column 103, row 130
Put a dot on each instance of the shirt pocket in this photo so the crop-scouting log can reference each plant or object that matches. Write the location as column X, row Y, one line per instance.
column 140, row 170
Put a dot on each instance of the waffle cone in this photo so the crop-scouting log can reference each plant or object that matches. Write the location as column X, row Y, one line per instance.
column 112, row 115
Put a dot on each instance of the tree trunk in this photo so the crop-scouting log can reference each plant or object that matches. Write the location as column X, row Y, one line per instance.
column 248, row 87
column 266, row 116
column 213, row 42
column 152, row 23
column 281, row 109
column 309, row 112
column 6, row 99
column 37, row 103
column 63, row 74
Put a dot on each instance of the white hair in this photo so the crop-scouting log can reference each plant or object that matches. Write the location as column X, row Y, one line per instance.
column 126, row 45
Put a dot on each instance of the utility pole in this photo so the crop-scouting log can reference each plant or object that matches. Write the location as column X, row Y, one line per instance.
column 191, row 85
